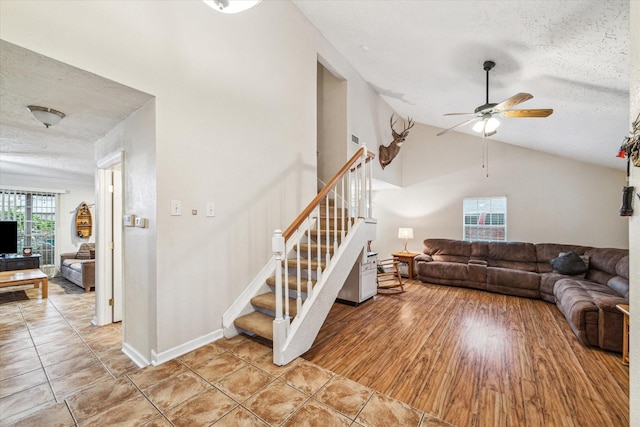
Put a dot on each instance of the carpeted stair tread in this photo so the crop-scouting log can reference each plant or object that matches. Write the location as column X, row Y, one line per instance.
column 305, row 263
column 271, row 281
column 259, row 323
column 314, row 248
column 268, row 302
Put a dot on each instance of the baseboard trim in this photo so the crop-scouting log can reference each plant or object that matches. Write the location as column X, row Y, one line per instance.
column 172, row 353
column 135, row 356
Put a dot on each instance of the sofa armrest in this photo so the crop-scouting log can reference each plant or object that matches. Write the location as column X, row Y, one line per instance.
column 423, row 257
column 88, row 274
column 67, row 255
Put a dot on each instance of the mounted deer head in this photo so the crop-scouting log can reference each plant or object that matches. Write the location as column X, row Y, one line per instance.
column 388, row 153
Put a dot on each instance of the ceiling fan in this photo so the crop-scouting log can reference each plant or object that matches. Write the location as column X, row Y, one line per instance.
column 485, row 115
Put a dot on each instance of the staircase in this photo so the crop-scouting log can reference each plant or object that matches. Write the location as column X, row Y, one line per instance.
column 288, row 301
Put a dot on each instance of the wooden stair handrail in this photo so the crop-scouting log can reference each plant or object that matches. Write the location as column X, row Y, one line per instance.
column 323, row 193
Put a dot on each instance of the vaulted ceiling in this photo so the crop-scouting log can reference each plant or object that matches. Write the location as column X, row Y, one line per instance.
column 423, row 57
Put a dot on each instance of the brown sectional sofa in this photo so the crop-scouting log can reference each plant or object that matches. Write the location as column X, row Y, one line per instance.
column 587, row 301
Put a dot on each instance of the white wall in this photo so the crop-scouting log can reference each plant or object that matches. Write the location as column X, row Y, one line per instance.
column 634, row 226
column 549, row 198
column 135, row 137
column 332, row 124
column 235, row 125
column 71, row 195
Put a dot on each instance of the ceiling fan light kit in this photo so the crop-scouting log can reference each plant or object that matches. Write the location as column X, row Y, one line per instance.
column 486, row 114
column 231, row 6
column 47, row 116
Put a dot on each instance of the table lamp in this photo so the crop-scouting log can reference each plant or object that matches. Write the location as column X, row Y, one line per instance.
column 406, row 234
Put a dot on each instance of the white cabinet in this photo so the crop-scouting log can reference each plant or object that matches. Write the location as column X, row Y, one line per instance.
column 361, row 283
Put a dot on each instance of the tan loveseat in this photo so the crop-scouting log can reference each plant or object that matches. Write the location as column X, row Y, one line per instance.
column 587, row 301
column 80, row 267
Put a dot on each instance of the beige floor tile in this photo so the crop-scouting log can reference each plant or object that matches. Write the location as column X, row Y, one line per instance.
column 25, row 353
column 100, row 396
column 79, row 380
column 25, row 400
column 244, row 382
column 19, row 367
column 16, row 344
column 229, row 343
column 202, row 409
column 133, row 412
column 176, row 390
column 219, row 367
column 158, row 422
column 313, row 414
column 152, row 375
column 200, row 355
column 383, row 411
column 346, row 396
column 266, row 364
column 250, row 350
column 55, row 415
column 431, row 421
column 65, row 354
column 116, row 362
column 22, row 382
column 276, row 402
column 69, row 341
column 71, row 366
column 239, row 417
column 307, row 377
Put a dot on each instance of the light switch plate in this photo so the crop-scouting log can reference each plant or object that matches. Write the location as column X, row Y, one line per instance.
column 211, row 209
column 141, row 222
column 176, row 208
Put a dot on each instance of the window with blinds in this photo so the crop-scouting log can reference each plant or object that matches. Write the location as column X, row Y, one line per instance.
column 35, row 213
column 484, row 219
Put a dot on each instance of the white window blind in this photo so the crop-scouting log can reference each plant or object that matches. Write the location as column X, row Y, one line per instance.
column 484, row 218
column 35, row 213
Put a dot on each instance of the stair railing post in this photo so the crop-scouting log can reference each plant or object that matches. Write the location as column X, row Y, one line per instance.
column 279, row 323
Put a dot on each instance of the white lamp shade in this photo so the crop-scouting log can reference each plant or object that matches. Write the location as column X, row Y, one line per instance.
column 405, row 233
column 231, row 6
column 492, row 125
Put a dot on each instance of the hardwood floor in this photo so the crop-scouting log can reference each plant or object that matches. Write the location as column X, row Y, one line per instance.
column 475, row 358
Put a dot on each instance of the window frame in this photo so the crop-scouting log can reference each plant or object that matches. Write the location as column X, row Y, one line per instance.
column 474, row 221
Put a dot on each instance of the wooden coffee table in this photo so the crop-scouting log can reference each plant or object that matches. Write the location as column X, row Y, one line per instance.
column 25, row 277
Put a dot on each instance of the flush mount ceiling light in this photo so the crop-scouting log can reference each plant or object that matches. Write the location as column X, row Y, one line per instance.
column 231, row 6
column 48, row 116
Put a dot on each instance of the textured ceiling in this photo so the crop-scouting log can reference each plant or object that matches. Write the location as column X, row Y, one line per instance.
column 425, row 58
column 93, row 106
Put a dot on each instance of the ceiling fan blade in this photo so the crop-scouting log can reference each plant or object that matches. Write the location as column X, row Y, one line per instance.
column 513, row 101
column 543, row 112
column 459, row 114
column 459, row 124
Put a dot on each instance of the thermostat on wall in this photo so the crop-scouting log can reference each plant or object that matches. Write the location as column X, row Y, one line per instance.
column 128, row 220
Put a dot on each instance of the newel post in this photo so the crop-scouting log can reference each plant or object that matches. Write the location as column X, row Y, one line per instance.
column 279, row 324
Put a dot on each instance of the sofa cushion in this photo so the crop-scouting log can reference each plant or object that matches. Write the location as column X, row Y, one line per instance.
column 620, row 285
column 605, row 260
column 570, row 263
column 84, row 252
column 448, row 250
column 513, row 255
column 545, row 252
column 577, row 305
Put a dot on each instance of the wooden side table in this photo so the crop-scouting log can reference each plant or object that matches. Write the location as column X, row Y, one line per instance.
column 624, row 308
column 407, row 257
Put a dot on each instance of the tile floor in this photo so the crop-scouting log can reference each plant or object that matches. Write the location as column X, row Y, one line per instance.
column 56, row 369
